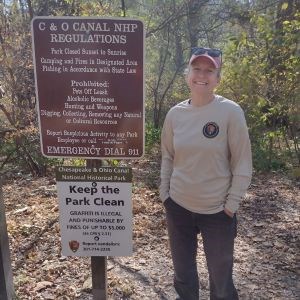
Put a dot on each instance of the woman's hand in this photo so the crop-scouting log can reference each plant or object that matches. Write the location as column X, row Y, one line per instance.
column 228, row 212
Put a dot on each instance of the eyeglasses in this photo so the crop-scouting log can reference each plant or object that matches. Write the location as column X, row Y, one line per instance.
column 208, row 51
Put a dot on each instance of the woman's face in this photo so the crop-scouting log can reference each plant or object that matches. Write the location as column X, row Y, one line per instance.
column 202, row 77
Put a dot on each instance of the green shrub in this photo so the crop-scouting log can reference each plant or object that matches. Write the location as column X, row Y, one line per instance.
column 152, row 136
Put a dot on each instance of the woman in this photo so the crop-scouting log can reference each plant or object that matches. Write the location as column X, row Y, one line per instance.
column 205, row 171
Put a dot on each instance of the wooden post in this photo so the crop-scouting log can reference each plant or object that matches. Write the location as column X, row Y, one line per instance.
column 98, row 263
column 99, row 277
column 6, row 278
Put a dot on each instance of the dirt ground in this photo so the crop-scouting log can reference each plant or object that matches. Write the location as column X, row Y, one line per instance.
column 265, row 255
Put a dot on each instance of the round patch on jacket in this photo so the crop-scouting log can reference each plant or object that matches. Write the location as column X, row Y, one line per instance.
column 211, row 129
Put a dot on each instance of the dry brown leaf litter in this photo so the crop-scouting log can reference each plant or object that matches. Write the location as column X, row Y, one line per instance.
column 265, row 257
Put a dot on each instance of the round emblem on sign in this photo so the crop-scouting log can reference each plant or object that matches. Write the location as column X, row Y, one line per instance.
column 211, row 129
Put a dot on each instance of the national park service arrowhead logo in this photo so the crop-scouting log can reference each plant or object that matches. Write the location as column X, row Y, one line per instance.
column 74, row 245
column 211, row 130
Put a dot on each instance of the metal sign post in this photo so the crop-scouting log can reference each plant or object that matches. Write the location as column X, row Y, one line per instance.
column 99, row 277
column 6, row 278
column 98, row 263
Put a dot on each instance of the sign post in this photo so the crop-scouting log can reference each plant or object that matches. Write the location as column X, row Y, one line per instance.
column 89, row 75
column 98, row 263
column 6, row 278
column 99, row 277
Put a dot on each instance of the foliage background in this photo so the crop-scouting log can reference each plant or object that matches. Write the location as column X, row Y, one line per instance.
column 260, row 43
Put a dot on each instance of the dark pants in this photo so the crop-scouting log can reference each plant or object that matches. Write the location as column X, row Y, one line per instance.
column 218, row 232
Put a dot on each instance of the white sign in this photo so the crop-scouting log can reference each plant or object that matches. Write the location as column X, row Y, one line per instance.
column 95, row 211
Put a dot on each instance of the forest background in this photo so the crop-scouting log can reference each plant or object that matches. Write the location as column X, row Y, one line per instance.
column 261, row 47
column 260, row 44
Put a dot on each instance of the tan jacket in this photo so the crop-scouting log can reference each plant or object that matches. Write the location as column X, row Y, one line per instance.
column 206, row 156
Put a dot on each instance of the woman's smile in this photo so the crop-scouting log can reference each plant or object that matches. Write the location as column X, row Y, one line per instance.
column 200, row 82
